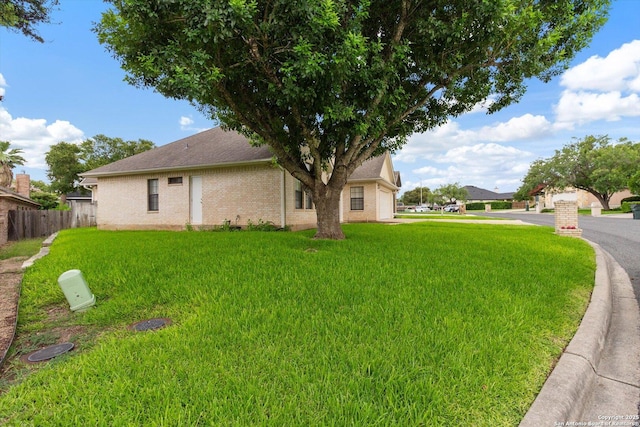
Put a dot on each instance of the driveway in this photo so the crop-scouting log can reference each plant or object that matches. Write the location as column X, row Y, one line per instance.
column 617, row 234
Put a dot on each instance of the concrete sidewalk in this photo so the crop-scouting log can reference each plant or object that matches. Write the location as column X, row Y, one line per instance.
column 597, row 379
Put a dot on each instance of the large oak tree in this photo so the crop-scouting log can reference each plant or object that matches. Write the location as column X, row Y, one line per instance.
column 593, row 164
column 328, row 84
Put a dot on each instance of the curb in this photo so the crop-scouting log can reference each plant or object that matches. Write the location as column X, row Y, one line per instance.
column 569, row 386
column 43, row 251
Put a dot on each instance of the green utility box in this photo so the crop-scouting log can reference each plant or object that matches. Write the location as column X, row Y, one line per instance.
column 76, row 290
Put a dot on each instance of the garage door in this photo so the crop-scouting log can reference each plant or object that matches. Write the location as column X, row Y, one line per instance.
column 385, row 204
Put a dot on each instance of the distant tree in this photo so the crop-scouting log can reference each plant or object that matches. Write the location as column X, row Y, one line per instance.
column 416, row 196
column 9, row 158
column 24, row 15
column 102, row 150
column 452, row 193
column 634, row 183
column 330, row 84
column 66, row 161
column 64, row 166
column 592, row 164
column 538, row 175
column 47, row 200
column 41, row 186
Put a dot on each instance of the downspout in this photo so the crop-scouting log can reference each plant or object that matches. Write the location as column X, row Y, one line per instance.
column 283, row 200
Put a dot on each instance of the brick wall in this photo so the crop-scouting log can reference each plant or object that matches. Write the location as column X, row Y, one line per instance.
column 566, row 218
column 237, row 195
column 370, row 211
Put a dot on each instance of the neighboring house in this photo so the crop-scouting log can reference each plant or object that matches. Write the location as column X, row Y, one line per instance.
column 478, row 195
column 15, row 201
column 582, row 197
column 217, row 177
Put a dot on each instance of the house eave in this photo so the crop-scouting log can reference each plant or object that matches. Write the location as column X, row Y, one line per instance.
column 382, row 181
column 20, row 199
column 175, row 168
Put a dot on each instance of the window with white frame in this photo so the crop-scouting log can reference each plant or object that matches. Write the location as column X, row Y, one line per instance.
column 357, row 198
column 303, row 199
column 152, row 195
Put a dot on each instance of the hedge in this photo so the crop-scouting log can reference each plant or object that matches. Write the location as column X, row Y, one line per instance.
column 479, row 206
column 626, row 206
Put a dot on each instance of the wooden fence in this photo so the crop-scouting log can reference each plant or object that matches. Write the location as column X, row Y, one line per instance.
column 32, row 224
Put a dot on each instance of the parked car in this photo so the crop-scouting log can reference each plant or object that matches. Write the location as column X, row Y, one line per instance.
column 452, row 208
column 422, row 209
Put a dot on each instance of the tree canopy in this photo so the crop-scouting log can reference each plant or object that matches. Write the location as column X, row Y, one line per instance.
column 329, row 84
column 593, row 164
column 451, row 193
column 24, row 15
column 419, row 195
column 67, row 160
column 102, row 150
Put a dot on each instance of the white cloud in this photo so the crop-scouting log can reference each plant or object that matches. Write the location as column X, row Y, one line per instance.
column 582, row 107
column 516, row 129
column 186, row 124
column 185, row 121
column 450, row 135
column 601, row 88
column 34, row 136
column 485, row 165
column 616, row 72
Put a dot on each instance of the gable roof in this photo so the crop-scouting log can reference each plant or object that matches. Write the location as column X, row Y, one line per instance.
column 213, row 147
column 6, row 193
column 373, row 169
column 476, row 193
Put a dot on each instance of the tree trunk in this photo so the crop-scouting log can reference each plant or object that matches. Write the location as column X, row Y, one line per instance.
column 603, row 199
column 6, row 176
column 327, row 202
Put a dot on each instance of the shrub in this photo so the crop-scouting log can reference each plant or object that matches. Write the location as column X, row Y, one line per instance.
column 626, row 206
column 479, row 206
column 631, row 199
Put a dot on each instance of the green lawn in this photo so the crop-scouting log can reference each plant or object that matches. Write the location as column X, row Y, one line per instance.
column 414, row 324
column 23, row 248
column 437, row 215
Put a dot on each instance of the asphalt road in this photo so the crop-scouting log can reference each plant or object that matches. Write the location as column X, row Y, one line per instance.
column 620, row 236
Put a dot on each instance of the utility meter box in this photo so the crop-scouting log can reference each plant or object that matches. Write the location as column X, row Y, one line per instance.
column 76, row 291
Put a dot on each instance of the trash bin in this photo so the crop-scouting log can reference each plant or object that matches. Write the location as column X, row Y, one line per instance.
column 76, row 291
column 635, row 208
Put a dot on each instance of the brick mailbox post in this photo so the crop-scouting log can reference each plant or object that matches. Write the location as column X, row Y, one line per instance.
column 566, row 214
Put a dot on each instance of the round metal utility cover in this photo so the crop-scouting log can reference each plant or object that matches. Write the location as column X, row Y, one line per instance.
column 150, row 325
column 50, row 352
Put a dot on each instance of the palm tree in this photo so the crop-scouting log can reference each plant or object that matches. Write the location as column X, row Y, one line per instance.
column 9, row 158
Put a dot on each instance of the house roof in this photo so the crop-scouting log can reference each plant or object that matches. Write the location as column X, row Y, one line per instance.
column 373, row 169
column 476, row 193
column 5, row 193
column 213, row 147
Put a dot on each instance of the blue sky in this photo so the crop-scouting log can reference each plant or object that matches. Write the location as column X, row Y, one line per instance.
column 70, row 89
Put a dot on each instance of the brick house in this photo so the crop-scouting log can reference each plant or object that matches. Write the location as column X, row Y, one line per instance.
column 15, row 201
column 217, row 176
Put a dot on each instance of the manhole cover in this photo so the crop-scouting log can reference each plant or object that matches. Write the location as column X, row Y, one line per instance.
column 50, row 352
column 150, row 325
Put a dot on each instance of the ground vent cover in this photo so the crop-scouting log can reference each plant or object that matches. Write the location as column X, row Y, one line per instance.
column 50, row 352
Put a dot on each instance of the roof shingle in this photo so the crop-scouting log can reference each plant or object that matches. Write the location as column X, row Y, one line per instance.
column 212, row 147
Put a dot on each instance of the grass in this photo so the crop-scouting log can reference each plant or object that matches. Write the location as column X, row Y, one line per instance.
column 467, row 217
column 602, row 212
column 22, row 248
column 413, row 324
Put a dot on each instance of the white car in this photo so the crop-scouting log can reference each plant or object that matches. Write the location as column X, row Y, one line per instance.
column 422, row 209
